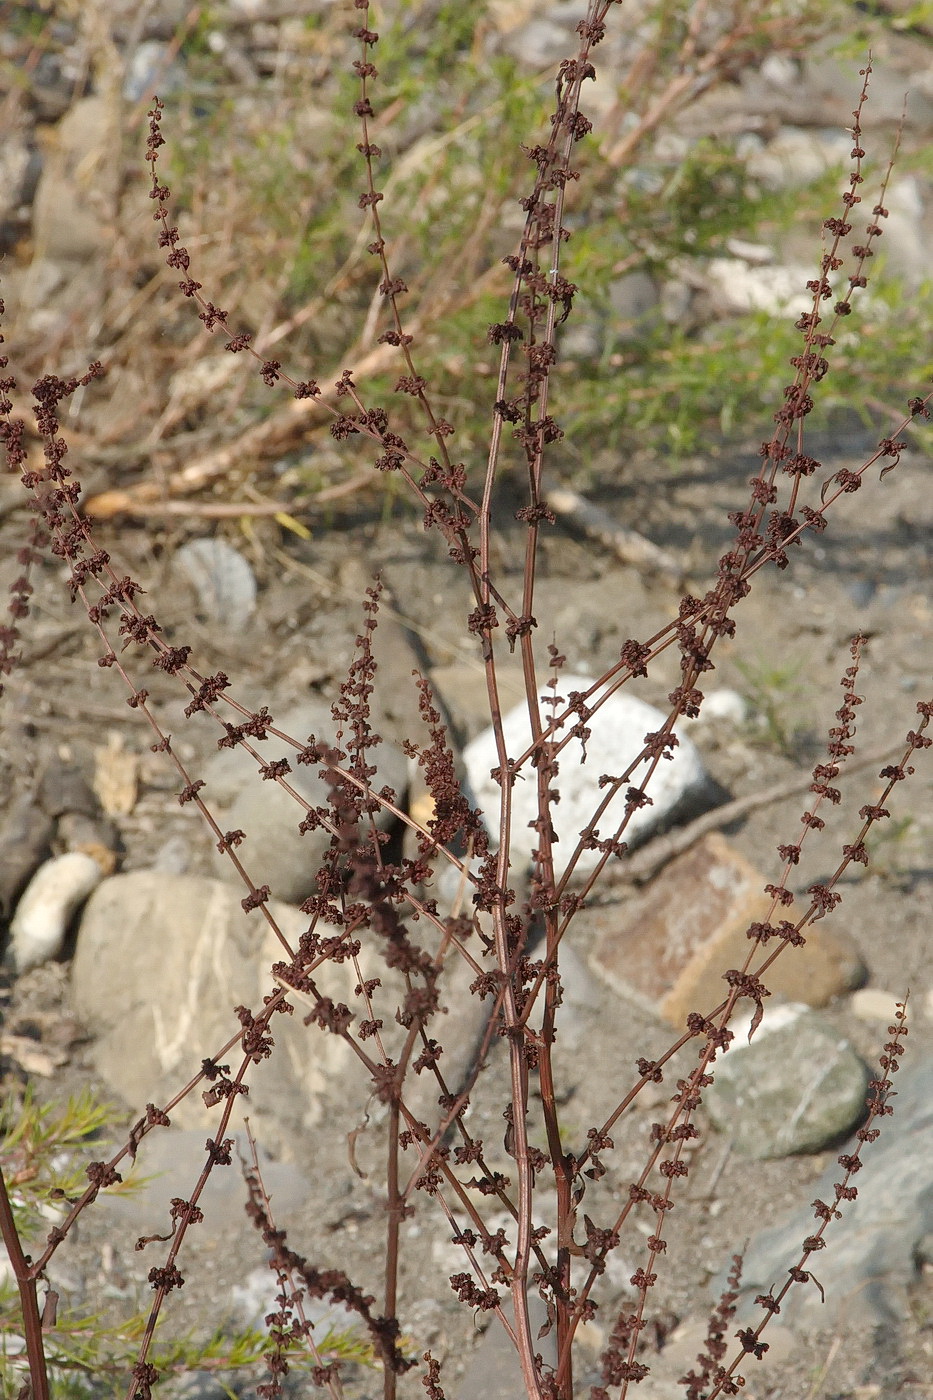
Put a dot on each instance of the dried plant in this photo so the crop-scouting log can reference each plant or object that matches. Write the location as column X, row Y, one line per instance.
column 383, row 921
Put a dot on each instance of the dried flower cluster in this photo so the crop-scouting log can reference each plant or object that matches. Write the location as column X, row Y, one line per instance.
column 382, row 917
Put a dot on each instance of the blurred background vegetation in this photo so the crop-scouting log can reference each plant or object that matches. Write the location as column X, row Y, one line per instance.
column 43, row 1152
column 719, row 147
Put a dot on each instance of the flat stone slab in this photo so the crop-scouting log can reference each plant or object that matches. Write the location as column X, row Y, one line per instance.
column 668, row 946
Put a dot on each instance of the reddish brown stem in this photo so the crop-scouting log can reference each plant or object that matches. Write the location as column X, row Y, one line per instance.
column 25, row 1276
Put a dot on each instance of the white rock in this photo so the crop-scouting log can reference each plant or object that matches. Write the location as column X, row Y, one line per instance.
column 160, row 964
column 222, row 578
column 780, row 70
column 796, row 157
column 58, row 888
column 617, row 736
column 254, row 1299
column 775, row 1018
column 740, row 287
column 875, row 1004
column 758, row 254
column 904, row 239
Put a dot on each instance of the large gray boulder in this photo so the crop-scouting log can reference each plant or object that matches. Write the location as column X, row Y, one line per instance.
column 161, row 964
column 876, row 1251
column 798, row 1086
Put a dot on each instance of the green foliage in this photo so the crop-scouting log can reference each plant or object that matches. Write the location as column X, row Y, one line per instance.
column 266, row 179
column 866, row 18
column 675, row 388
column 39, row 1152
column 81, row 1349
column 43, row 1156
column 25, row 21
column 777, row 696
column 689, row 204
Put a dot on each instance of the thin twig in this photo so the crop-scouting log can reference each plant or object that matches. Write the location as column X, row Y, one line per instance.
column 628, row 546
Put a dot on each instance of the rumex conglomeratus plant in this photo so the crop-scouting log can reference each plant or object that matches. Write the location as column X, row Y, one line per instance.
column 381, row 922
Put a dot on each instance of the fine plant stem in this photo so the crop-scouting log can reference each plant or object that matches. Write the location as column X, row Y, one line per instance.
column 394, row 1210
column 26, row 1276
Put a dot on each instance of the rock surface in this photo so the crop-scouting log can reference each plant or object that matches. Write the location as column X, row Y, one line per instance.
column 798, row 1086
column 161, row 964
column 876, row 1249
column 169, row 1162
column 617, row 736
column 222, row 579
column 668, row 946
column 493, row 1372
column 76, row 193
column 49, row 902
column 275, row 852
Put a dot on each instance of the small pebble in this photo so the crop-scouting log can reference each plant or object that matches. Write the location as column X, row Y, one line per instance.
column 874, row 1004
column 55, row 892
